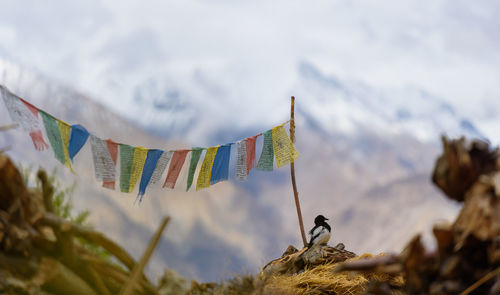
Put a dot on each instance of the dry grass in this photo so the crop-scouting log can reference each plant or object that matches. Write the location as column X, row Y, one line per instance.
column 317, row 280
column 322, row 280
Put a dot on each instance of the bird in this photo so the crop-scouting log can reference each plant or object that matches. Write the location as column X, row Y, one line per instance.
column 320, row 233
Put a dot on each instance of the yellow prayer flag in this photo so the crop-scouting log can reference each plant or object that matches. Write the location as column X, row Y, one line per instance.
column 206, row 168
column 284, row 150
column 65, row 130
column 140, row 154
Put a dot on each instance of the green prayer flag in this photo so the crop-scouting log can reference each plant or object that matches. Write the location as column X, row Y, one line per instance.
column 266, row 160
column 126, row 160
column 54, row 135
column 195, row 157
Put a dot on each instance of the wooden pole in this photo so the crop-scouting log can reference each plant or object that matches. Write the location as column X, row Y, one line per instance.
column 292, row 170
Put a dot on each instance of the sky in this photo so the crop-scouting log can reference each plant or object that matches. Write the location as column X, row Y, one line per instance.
column 246, row 55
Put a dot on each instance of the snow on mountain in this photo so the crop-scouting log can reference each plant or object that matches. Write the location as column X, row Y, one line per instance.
column 336, row 105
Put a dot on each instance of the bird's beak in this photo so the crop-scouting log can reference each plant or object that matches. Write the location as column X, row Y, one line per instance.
column 326, row 219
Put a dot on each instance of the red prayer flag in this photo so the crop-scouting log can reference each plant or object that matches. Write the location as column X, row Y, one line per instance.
column 30, row 107
column 36, row 135
column 250, row 142
column 175, row 167
column 113, row 152
column 38, row 141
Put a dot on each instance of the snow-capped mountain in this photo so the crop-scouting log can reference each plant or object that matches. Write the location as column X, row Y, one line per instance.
column 338, row 106
column 362, row 163
column 184, row 108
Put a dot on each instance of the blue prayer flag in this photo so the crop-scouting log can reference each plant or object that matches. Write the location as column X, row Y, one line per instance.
column 220, row 168
column 149, row 166
column 79, row 136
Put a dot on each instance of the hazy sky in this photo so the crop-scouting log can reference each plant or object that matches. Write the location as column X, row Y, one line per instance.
column 247, row 54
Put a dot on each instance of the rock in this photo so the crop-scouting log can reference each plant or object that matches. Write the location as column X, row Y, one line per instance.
column 290, row 250
column 294, row 261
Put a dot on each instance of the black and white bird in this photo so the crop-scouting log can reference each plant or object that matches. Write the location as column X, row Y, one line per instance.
column 320, row 233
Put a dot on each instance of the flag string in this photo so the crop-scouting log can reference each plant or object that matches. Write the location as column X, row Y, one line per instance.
column 143, row 165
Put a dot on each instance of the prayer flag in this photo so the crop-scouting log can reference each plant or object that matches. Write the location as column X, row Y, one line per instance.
column 65, row 130
column 30, row 107
column 104, row 167
column 266, row 159
column 206, row 168
column 18, row 111
column 241, row 160
column 36, row 133
column 140, row 155
column 26, row 116
column 220, row 168
column 175, row 167
column 251, row 154
column 195, row 158
column 79, row 136
column 284, row 150
column 161, row 166
column 113, row 152
column 54, row 135
column 38, row 141
column 126, row 157
column 149, row 167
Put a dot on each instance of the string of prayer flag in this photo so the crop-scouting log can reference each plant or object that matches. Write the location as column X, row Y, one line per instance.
column 195, row 158
column 145, row 164
column 175, row 168
column 78, row 138
column 140, row 155
column 220, row 167
column 126, row 157
column 284, row 150
column 149, row 167
column 113, row 152
column 54, row 135
column 206, row 168
column 241, row 160
column 266, row 159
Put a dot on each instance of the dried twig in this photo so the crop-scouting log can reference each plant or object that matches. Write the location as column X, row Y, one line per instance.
column 483, row 280
column 8, row 127
column 130, row 285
